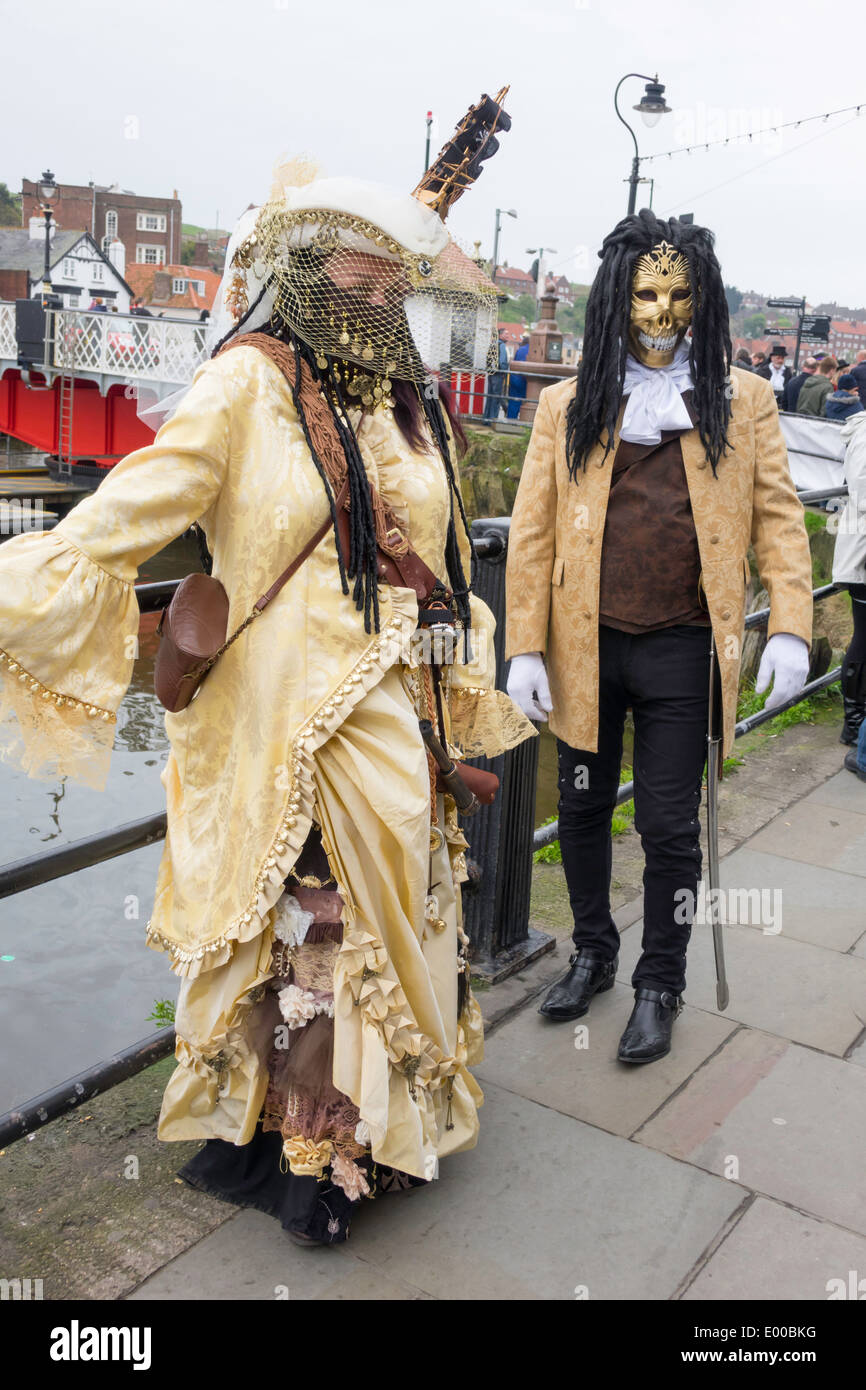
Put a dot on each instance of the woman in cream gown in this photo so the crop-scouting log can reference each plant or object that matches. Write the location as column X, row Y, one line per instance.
column 309, row 890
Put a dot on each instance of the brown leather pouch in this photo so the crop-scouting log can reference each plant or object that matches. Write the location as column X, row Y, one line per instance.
column 192, row 629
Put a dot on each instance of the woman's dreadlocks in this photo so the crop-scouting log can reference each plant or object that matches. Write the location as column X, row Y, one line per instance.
column 595, row 405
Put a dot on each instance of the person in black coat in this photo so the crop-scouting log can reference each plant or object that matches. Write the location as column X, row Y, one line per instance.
column 776, row 372
column 858, row 371
column 792, row 390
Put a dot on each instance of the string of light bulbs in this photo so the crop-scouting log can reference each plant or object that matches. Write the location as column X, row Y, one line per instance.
column 750, row 134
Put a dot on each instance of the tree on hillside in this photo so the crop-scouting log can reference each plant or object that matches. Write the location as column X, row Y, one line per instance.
column 10, row 207
column 734, row 298
column 571, row 317
column 522, row 309
column 754, row 325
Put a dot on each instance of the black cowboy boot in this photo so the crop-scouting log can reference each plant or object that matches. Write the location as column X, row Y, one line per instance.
column 648, row 1032
column 589, row 973
column 854, row 713
column 853, row 685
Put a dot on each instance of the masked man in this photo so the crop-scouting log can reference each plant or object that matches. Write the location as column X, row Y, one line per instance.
column 643, row 486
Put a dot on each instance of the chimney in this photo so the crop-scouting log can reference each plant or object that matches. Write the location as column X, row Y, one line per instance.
column 37, row 229
column 200, row 251
column 117, row 256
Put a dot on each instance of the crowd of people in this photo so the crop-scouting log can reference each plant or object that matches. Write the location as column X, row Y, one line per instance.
column 825, row 385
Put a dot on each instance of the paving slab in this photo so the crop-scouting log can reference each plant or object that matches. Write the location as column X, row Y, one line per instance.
column 544, row 1205
column 860, row 948
column 822, row 906
column 250, row 1257
column 572, row 1067
column 780, row 1119
column 815, row 833
column 844, row 791
column 775, row 1252
column 807, row 993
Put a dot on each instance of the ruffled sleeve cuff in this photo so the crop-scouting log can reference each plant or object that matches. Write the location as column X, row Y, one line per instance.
column 68, row 633
column 484, row 721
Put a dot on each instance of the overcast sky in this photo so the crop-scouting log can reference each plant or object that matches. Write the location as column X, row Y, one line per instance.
column 204, row 95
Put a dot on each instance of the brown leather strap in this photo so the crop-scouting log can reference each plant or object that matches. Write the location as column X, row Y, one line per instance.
column 399, row 564
column 339, row 502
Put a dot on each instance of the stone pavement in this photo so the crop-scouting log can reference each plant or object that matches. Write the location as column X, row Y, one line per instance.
column 731, row 1169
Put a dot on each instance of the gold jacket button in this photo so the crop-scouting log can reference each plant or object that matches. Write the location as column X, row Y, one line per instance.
column 586, row 613
column 714, row 540
column 702, row 464
column 726, row 615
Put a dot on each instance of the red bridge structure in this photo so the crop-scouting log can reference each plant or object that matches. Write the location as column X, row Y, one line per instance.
column 69, row 380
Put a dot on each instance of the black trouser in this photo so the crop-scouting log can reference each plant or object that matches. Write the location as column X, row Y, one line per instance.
column 664, row 677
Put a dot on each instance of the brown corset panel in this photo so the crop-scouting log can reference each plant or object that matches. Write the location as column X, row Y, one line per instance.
column 650, row 562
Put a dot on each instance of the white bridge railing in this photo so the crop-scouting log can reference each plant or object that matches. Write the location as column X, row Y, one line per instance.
column 8, row 346
column 128, row 347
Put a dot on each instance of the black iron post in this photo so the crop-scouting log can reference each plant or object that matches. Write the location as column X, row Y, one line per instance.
column 651, row 106
column 496, row 898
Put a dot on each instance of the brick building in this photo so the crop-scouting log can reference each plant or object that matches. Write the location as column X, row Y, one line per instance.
column 514, row 281
column 177, row 291
column 150, row 228
column 846, row 338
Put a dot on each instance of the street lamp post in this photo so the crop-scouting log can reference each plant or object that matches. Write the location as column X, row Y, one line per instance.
column 48, row 190
column 652, row 107
column 427, row 148
column 539, row 252
column 509, row 212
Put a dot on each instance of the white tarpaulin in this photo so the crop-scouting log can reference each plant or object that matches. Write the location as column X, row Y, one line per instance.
column 815, row 450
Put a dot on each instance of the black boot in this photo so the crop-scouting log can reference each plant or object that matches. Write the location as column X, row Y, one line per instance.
column 854, row 714
column 853, row 685
column 648, row 1032
column 589, row 973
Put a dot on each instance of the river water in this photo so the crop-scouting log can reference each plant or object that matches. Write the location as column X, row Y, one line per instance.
column 76, row 981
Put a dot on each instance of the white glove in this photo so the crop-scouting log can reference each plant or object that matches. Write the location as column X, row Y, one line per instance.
column 528, row 687
column 786, row 661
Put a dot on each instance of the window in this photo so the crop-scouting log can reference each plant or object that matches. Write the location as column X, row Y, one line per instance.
column 199, row 286
column 69, row 268
column 97, row 270
column 150, row 222
column 178, row 286
column 149, row 255
column 110, row 225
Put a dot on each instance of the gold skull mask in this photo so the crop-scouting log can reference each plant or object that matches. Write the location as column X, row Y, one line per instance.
column 661, row 305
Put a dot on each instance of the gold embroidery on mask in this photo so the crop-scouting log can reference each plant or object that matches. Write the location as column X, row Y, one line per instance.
column 658, row 325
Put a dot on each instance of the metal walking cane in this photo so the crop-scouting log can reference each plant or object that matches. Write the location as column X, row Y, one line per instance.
column 714, row 767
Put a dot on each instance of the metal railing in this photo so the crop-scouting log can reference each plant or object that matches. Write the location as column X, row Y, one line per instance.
column 497, row 916
column 130, row 347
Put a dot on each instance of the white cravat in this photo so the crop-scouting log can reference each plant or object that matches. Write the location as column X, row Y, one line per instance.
column 777, row 377
column 654, row 399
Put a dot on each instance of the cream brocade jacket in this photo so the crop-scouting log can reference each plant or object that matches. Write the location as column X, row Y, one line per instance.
column 239, row 776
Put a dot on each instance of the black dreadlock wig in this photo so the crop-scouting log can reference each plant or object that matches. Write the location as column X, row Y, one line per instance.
column 595, row 405
column 361, row 564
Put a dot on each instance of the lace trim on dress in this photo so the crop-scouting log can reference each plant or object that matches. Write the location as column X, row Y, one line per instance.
column 44, row 733
column 486, row 722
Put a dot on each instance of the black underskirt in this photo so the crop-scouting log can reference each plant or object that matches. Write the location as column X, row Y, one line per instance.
column 248, row 1175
